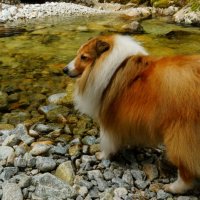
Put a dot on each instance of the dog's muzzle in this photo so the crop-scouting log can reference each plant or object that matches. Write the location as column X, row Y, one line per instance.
column 66, row 70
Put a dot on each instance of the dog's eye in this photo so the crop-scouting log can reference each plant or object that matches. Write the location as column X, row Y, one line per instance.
column 83, row 57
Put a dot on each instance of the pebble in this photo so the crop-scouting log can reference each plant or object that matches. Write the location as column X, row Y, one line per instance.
column 6, row 154
column 39, row 149
column 140, row 184
column 12, row 191
column 20, row 162
column 66, row 172
column 48, row 186
column 120, row 192
column 161, row 194
column 45, row 164
column 8, row 172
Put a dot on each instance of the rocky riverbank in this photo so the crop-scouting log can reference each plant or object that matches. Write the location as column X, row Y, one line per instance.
column 185, row 16
column 56, row 155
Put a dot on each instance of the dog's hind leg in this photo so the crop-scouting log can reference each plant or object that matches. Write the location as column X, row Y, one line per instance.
column 182, row 145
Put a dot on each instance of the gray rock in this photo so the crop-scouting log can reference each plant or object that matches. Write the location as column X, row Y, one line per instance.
column 140, row 184
column 94, row 174
column 45, row 164
column 108, row 174
column 120, row 192
column 127, row 177
column 133, row 27
column 23, row 180
column 39, row 149
column 11, row 140
column 89, row 140
column 102, row 184
column 43, row 128
column 161, row 194
column 59, row 149
column 94, row 193
column 22, row 134
column 20, row 150
column 48, row 186
column 20, row 162
column 107, row 195
column 30, row 160
column 12, row 191
column 6, row 153
column 86, row 184
column 118, row 181
column 1, row 193
column 8, row 172
column 138, row 174
column 56, row 98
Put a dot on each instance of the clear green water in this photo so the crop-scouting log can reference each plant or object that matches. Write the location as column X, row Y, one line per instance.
column 32, row 61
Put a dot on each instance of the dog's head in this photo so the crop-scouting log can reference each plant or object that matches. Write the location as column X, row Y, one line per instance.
column 87, row 55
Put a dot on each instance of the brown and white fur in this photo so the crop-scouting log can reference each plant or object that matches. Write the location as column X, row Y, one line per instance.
column 139, row 99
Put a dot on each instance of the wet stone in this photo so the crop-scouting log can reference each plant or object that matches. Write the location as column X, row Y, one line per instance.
column 89, row 140
column 42, row 128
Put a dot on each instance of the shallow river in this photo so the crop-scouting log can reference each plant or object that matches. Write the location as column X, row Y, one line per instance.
column 32, row 55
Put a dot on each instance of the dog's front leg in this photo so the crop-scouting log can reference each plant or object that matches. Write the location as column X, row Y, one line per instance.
column 109, row 145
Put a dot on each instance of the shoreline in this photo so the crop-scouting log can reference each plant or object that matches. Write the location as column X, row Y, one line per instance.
column 26, row 12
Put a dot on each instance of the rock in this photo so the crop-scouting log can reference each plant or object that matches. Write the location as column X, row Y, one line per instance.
column 23, row 180
column 101, row 184
column 94, row 174
column 12, row 191
column 7, row 154
column 162, row 195
column 133, row 27
column 42, row 128
column 11, row 140
column 48, row 186
column 107, row 195
column 83, row 191
column 66, row 172
column 30, row 160
column 22, row 134
column 89, row 140
column 59, row 149
column 164, row 3
column 39, row 149
column 151, row 171
column 8, row 173
column 15, row 117
column 74, row 150
column 45, row 164
column 56, row 98
column 3, row 101
column 20, row 162
column 94, row 148
column 187, row 198
column 108, row 174
column 127, row 177
column 187, row 16
column 138, row 174
column 120, row 192
column 140, row 184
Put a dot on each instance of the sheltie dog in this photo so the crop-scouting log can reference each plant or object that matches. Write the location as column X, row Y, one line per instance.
column 138, row 99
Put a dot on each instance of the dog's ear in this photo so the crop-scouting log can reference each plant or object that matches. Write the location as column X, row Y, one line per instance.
column 101, row 47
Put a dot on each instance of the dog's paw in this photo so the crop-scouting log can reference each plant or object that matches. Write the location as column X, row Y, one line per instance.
column 176, row 188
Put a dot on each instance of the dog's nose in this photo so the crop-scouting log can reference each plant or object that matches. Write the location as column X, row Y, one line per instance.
column 66, row 70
